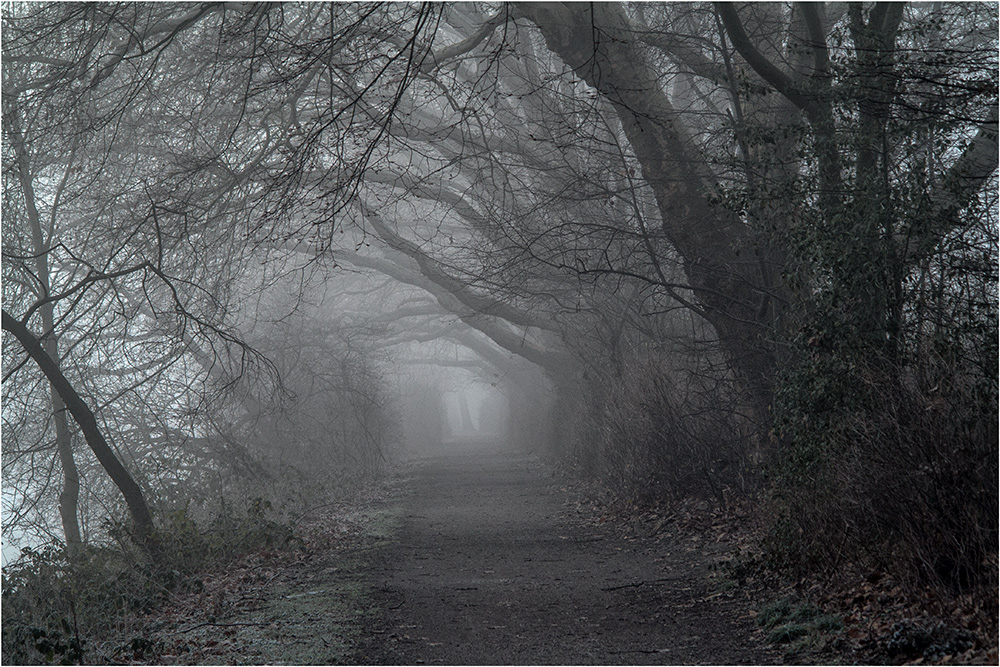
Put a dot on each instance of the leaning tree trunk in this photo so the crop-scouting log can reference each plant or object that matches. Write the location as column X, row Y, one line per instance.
column 85, row 417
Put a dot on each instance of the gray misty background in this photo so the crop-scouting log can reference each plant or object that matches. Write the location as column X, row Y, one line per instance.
column 742, row 254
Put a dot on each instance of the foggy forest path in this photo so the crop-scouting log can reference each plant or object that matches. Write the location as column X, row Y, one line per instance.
column 494, row 564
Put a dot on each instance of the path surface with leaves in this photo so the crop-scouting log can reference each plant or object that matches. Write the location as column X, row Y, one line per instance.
column 495, row 563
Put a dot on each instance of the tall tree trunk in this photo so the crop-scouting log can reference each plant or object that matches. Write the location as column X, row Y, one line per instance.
column 463, row 408
column 873, row 279
column 70, row 494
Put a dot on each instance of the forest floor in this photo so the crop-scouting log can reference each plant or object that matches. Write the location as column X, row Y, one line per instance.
column 488, row 557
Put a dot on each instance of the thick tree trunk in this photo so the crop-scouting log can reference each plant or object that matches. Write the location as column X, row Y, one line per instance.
column 84, row 416
column 719, row 255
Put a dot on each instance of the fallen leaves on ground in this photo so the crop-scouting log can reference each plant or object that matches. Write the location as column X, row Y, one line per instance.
column 208, row 622
column 950, row 628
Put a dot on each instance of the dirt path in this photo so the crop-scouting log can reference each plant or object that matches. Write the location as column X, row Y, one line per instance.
column 492, row 564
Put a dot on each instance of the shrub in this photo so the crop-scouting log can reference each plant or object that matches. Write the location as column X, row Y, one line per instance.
column 891, row 474
column 56, row 605
column 661, row 433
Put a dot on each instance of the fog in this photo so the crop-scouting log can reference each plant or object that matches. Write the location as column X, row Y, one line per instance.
column 448, row 411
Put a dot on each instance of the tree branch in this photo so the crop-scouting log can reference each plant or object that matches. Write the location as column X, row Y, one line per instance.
column 433, row 271
column 955, row 190
column 435, row 60
column 767, row 70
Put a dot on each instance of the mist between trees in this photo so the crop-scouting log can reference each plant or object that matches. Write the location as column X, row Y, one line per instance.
column 737, row 253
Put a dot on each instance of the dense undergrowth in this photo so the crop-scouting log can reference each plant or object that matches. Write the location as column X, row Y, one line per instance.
column 656, row 430
column 899, row 479
column 874, row 488
column 59, row 606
